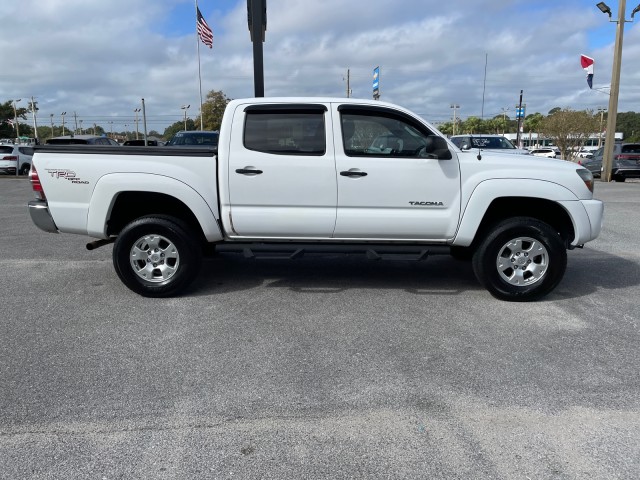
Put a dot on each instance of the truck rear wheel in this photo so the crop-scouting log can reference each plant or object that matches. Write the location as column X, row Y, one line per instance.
column 157, row 256
column 521, row 259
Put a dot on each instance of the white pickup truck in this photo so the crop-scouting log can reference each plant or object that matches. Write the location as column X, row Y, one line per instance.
column 298, row 175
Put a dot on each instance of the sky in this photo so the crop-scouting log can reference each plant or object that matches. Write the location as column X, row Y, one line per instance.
column 99, row 59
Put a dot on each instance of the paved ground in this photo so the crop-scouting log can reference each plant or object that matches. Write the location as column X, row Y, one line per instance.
column 332, row 368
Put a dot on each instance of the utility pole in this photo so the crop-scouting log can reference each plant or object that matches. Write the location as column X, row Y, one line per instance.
column 612, row 114
column 348, row 83
column 75, row 121
column 35, row 123
column 519, row 117
column 144, row 124
column 51, row 117
column 455, row 106
column 15, row 118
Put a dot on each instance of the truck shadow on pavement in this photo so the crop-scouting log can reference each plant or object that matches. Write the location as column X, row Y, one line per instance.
column 587, row 271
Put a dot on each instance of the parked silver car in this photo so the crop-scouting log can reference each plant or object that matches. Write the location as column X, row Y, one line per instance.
column 625, row 164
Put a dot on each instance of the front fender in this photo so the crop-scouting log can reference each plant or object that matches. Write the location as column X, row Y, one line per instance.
column 109, row 186
column 489, row 190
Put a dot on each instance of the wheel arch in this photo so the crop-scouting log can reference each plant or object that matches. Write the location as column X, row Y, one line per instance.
column 119, row 199
column 494, row 201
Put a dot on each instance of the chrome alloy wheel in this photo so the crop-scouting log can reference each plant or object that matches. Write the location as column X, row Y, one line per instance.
column 522, row 261
column 154, row 258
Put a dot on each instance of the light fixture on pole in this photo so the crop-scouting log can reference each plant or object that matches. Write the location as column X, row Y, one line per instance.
column 185, row 108
column 612, row 115
column 62, row 115
column 604, row 8
column 136, row 112
column 15, row 118
column 455, row 106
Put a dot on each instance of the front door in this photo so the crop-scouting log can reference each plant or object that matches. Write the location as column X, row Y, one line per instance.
column 391, row 185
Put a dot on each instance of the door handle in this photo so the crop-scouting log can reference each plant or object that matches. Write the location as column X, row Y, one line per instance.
column 248, row 171
column 349, row 173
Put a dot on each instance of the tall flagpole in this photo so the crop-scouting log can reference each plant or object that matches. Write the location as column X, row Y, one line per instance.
column 199, row 71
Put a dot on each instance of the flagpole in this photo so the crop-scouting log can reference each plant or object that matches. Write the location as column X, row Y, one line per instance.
column 199, row 70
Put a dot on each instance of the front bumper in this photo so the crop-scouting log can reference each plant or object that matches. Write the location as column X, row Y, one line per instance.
column 40, row 215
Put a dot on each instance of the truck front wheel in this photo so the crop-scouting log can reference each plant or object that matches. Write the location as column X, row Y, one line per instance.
column 157, row 256
column 521, row 259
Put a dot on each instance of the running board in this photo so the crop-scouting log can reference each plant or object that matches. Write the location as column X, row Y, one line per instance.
column 279, row 251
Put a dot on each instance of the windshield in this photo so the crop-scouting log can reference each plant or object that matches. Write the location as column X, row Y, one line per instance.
column 491, row 142
column 195, row 139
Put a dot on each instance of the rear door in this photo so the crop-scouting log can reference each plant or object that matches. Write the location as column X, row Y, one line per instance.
column 282, row 177
column 391, row 185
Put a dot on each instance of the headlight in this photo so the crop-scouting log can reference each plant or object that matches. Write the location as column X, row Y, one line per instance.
column 587, row 177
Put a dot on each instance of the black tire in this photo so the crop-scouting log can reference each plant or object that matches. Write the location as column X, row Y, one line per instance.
column 521, row 259
column 25, row 169
column 619, row 178
column 168, row 256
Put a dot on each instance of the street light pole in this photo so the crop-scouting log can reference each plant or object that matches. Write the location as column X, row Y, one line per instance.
column 51, row 117
column 612, row 114
column 15, row 118
column 185, row 108
column 136, row 112
column 504, row 118
column 62, row 115
column 455, row 106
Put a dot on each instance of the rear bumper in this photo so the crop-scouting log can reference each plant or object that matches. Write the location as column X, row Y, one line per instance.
column 626, row 172
column 40, row 215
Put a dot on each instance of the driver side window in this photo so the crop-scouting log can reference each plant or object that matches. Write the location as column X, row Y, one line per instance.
column 383, row 135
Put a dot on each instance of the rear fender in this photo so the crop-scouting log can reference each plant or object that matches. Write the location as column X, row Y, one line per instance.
column 109, row 186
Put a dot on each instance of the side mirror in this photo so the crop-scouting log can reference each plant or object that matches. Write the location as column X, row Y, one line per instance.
column 438, row 147
column 465, row 146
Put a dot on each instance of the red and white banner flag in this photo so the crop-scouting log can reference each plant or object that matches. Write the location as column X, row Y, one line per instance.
column 587, row 65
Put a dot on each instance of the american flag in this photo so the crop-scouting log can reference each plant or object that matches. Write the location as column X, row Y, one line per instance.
column 204, row 31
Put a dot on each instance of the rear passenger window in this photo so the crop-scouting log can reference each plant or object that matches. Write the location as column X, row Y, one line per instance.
column 285, row 131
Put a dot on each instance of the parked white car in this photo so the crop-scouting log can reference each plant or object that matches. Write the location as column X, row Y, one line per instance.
column 15, row 156
column 548, row 152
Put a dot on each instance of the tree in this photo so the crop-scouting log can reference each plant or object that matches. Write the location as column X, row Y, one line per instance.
column 213, row 109
column 569, row 129
column 472, row 125
column 629, row 124
column 532, row 123
column 7, row 129
column 446, row 128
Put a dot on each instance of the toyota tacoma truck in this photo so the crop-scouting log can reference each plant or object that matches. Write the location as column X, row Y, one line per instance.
column 292, row 176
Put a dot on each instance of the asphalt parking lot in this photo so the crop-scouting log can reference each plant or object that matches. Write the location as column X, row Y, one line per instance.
column 317, row 368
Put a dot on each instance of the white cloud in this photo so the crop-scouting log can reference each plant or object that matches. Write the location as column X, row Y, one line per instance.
column 100, row 58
